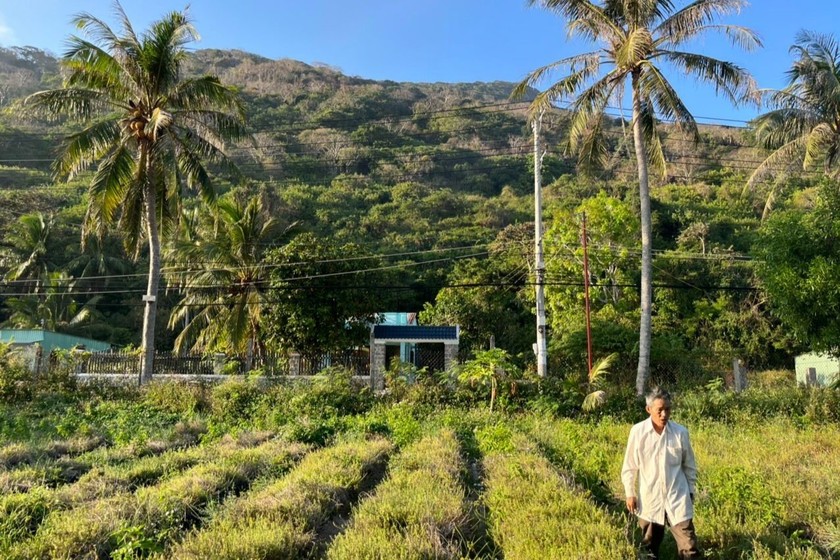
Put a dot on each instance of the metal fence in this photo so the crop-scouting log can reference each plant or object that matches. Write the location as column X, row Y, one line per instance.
column 121, row 362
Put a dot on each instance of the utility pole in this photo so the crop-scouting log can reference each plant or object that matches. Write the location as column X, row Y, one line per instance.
column 539, row 264
column 586, row 296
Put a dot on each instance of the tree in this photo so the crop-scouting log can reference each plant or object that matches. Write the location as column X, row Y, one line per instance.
column 803, row 126
column 218, row 263
column 28, row 240
column 636, row 38
column 325, row 295
column 800, row 264
column 149, row 131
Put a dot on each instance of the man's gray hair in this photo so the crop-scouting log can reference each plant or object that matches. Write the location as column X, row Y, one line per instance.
column 658, row 393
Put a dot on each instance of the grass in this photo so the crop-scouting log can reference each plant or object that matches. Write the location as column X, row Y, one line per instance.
column 536, row 513
column 278, row 520
column 99, row 527
column 171, row 484
column 418, row 512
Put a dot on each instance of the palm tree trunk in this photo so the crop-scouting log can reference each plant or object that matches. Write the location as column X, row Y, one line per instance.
column 646, row 297
column 147, row 349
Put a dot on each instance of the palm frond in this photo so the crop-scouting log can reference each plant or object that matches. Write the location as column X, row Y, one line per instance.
column 729, row 79
column 84, row 148
column 601, row 369
column 581, row 67
column 695, row 18
column 655, row 87
column 586, row 19
column 780, row 159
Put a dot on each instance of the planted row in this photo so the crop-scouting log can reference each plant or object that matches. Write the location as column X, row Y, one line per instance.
column 535, row 513
column 419, row 511
column 58, row 463
column 151, row 515
column 279, row 520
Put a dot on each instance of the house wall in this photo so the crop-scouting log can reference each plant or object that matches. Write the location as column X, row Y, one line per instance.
column 827, row 368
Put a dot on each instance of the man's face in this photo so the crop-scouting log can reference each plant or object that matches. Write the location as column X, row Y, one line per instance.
column 659, row 411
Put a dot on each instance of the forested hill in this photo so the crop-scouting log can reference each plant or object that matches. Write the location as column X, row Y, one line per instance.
column 431, row 182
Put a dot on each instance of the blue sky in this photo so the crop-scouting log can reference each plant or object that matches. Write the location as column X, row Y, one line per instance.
column 423, row 41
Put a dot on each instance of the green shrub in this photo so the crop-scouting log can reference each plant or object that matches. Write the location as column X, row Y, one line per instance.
column 16, row 382
column 741, row 496
column 235, row 400
column 184, row 399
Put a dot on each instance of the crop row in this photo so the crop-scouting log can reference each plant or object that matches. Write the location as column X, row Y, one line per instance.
column 419, row 511
column 537, row 513
column 280, row 519
column 96, row 528
column 24, row 466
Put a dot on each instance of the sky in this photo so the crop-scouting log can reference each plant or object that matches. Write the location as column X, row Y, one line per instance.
column 425, row 40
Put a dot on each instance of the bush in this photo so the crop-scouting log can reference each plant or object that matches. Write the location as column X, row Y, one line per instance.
column 184, row 399
column 16, row 383
column 235, row 400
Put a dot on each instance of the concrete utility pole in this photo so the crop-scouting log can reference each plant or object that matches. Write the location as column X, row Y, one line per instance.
column 539, row 266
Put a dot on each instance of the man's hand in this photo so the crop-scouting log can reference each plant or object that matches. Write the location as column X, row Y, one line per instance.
column 631, row 504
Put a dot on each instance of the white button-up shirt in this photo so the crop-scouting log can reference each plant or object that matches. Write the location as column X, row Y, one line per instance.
column 666, row 471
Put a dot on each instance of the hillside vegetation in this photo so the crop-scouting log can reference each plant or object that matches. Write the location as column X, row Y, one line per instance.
column 433, row 183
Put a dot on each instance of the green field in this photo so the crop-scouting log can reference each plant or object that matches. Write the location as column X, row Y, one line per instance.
column 324, row 470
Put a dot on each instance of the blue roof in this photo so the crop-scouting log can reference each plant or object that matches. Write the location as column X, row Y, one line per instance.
column 413, row 332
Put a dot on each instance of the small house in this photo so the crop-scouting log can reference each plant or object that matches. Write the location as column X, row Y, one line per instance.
column 34, row 345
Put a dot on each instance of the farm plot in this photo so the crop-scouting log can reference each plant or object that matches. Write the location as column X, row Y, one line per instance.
column 144, row 519
column 419, row 511
column 536, row 513
column 279, row 520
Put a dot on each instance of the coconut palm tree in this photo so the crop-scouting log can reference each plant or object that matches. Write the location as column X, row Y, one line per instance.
column 803, row 126
column 149, row 131
column 217, row 261
column 30, row 261
column 636, row 39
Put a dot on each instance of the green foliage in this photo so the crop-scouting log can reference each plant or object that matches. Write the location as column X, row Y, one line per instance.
column 741, row 496
column 184, row 399
column 322, row 297
column 800, row 263
column 16, row 382
column 492, row 370
column 235, row 400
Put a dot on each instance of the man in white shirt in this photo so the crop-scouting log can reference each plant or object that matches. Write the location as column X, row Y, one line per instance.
column 659, row 475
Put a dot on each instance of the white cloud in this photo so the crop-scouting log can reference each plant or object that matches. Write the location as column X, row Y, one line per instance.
column 7, row 34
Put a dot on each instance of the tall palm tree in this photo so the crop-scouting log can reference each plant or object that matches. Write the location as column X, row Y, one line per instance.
column 149, row 131
column 636, row 38
column 218, row 263
column 803, row 126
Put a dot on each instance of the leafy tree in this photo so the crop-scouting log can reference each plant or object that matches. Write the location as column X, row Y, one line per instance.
column 148, row 130
column 637, row 37
column 324, row 296
column 800, row 267
column 485, row 301
column 803, row 126
column 490, row 368
column 217, row 262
